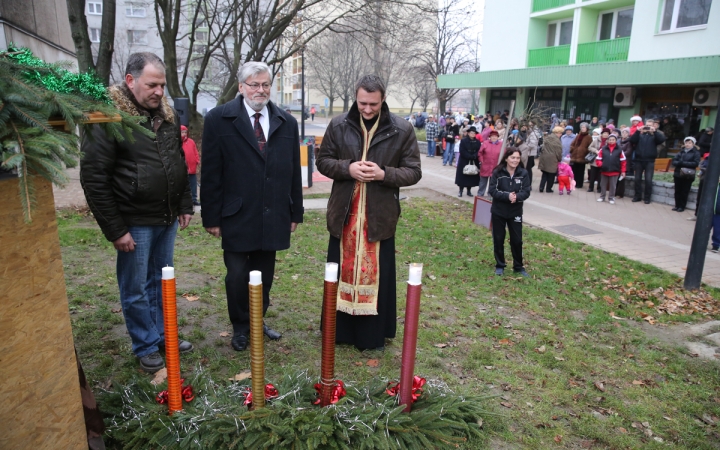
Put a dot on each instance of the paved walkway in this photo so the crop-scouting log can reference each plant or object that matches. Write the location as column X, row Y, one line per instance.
column 651, row 233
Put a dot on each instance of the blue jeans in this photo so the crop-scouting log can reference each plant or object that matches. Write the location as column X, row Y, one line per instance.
column 431, row 148
column 192, row 178
column 139, row 273
column 449, row 153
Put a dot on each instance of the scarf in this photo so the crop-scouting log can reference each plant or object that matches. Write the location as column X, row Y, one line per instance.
column 359, row 258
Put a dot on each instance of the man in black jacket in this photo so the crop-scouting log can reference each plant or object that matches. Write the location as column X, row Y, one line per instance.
column 139, row 192
column 251, row 189
column 645, row 140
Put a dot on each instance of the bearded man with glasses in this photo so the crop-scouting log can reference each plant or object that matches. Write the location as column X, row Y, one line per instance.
column 251, row 189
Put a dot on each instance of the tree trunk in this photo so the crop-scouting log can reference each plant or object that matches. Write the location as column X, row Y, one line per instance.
column 79, row 33
column 346, row 104
column 330, row 111
column 103, row 66
column 442, row 103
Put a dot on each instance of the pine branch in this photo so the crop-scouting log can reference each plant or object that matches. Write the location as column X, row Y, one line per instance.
column 26, row 185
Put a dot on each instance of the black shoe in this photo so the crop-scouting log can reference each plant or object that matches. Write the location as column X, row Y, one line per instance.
column 540, row 190
column 590, row 190
column 183, row 346
column 550, row 191
column 499, row 271
column 239, row 342
column 469, row 194
column 522, row 273
column 674, row 209
column 647, row 202
column 680, row 209
column 272, row 334
column 635, row 200
column 151, row 363
column 460, row 194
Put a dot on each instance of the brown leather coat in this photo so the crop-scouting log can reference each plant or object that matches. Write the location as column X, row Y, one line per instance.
column 578, row 152
column 394, row 148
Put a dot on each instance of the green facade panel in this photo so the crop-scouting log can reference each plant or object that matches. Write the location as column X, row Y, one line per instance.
column 697, row 70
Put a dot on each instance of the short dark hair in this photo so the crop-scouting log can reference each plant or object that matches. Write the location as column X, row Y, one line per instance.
column 370, row 83
column 137, row 62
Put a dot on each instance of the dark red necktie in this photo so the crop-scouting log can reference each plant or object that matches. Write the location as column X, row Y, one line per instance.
column 259, row 133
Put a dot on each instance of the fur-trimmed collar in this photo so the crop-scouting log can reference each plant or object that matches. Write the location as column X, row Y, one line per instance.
column 124, row 100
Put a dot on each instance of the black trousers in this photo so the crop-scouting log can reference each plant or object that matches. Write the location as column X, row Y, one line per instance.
column 514, row 225
column 579, row 172
column 530, row 165
column 682, row 191
column 620, row 189
column 239, row 265
column 647, row 167
column 548, row 178
column 593, row 176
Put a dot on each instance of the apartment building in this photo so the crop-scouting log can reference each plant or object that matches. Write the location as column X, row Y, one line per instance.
column 604, row 58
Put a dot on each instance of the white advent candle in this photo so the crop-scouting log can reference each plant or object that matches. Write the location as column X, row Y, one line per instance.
column 415, row 274
column 168, row 273
column 331, row 272
column 255, row 277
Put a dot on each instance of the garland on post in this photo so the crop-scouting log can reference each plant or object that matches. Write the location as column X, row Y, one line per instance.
column 366, row 418
column 31, row 92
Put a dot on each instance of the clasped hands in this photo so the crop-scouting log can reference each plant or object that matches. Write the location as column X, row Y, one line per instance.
column 513, row 197
column 366, row 171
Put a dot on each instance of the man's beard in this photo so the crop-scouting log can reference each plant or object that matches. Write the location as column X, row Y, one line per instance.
column 257, row 105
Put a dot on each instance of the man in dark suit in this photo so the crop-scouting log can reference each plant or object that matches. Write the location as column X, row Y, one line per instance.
column 251, row 189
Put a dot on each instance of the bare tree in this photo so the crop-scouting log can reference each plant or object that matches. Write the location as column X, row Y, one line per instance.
column 102, row 66
column 323, row 63
column 450, row 54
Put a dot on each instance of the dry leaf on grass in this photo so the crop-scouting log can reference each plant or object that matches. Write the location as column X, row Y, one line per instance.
column 116, row 310
column 160, row 376
column 540, row 349
column 441, row 345
column 505, row 342
column 506, row 404
column 225, row 334
column 242, row 376
column 373, row 362
column 560, row 358
column 558, row 438
column 190, row 297
column 358, row 363
column 600, row 386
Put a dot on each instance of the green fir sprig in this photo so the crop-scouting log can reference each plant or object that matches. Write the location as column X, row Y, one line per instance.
column 27, row 103
column 366, row 418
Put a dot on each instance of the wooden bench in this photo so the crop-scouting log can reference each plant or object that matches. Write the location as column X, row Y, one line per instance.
column 662, row 164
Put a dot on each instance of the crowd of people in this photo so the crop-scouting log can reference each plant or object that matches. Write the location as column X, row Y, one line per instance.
column 569, row 153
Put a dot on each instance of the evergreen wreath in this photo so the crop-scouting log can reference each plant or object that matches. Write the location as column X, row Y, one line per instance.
column 366, row 418
column 32, row 92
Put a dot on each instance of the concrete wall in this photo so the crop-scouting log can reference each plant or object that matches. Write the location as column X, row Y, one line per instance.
column 505, row 35
column 647, row 44
column 663, row 192
column 40, row 25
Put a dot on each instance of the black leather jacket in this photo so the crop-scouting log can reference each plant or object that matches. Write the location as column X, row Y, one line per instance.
column 136, row 183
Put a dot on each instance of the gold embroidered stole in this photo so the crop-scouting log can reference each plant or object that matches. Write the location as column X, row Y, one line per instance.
column 359, row 258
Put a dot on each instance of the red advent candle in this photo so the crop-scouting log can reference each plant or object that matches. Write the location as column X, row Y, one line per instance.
column 172, row 344
column 412, row 316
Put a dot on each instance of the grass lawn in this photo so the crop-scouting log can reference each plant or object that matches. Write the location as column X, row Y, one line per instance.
column 565, row 352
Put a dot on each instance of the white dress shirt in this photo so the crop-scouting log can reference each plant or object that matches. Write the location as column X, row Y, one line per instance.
column 264, row 119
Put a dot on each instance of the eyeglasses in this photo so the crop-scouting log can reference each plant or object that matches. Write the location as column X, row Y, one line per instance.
column 256, row 86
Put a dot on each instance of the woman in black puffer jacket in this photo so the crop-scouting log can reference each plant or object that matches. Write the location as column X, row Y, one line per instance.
column 509, row 188
column 688, row 158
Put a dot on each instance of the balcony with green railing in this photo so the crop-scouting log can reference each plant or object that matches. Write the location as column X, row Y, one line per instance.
column 603, row 51
column 541, row 5
column 549, row 56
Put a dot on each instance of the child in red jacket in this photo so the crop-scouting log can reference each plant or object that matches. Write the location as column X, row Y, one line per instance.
column 612, row 164
column 192, row 158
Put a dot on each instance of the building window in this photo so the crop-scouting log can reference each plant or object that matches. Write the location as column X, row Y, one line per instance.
column 685, row 14
column 134, row 11
column 559, row 33
column 200, row 49
column 95, row 8
column 615, row 24
column 137, row 37
column 94, row 34
column 201, row 36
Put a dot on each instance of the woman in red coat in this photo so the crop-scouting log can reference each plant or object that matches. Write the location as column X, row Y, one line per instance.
column 192, row 158
column 488, row 155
